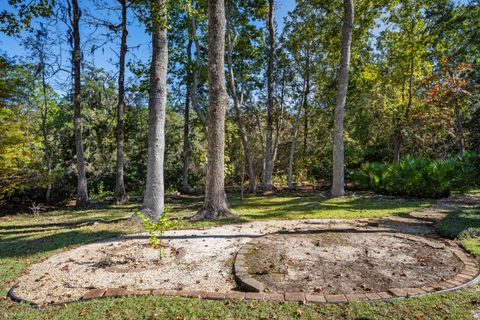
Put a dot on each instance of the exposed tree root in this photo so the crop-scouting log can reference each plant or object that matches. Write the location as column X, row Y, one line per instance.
column 212, row 213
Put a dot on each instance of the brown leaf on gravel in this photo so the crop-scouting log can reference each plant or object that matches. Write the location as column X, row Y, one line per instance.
column 65, row 268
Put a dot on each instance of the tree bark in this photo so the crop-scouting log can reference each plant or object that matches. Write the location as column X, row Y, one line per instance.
column 82, row 191
column 279, row 120
column 262, row 142
column 305, row 101
column 338, row 147
column 153, row 202
column 403, row 120
column 461, row 139
column 237, row 103
column 267, row 183
column 46, row 143
column 196, row 73
column 397, row 144
column 298, row 119
column 186, row 116
column 215, row 205
column 120, row 193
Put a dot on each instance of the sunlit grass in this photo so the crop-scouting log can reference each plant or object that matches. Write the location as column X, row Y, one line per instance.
column 24, row 239
column 314, row 206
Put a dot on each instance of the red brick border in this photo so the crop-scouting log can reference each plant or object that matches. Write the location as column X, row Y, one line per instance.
column 470, row 270
column 469, row 274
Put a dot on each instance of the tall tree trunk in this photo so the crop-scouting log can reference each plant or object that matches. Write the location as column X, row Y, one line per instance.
column 237, row 103
column 397, row 144
column 186, row 116
column 298, row 119
column 279, row 120
column 397, row 130
column 215, row 205
column 267, row 183
column 338, row 148
column 305, row 101
column 403, row 120
column 196, row 72
column 262, row 142
column 120, row 194
column 82, row 191
column 153, row 202
column 461, row 139
column 46, row 143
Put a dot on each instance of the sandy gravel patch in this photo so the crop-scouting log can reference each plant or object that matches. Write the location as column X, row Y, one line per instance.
column 199, row 259
column 196, row 259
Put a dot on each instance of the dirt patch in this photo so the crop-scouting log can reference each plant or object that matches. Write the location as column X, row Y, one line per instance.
column 347, row 262
column 301, row 254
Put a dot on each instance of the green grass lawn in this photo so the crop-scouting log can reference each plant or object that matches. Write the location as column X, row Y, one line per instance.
column 24, row 239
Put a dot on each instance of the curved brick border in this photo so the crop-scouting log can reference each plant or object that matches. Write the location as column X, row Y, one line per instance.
column 468, row 276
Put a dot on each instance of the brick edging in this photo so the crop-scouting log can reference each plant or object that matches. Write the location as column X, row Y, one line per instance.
column 254, row 289
column 468, row 275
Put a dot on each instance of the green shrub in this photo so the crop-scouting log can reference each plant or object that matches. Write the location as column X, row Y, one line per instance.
column 419, row 177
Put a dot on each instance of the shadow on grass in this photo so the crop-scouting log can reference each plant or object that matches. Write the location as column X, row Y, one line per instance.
column 23, row 246
column 73, row 224
column 315, row 205
column 462, row 225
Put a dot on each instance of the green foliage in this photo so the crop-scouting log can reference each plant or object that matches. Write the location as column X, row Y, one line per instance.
column 21, row 14
column 419, row 177
column 155, row 229
column 101, row 193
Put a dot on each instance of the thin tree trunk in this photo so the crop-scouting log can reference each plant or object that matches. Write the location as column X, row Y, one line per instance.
column 267, row 183
column 242, row 180
column 153, row 202
column 338, row 148
column 461, row 139
column 196, row 73
column 46, row 143
column 398, row 136
column 279, row 120
column 215, row 205
column 120, row 193
column 82, row 191
column 397, row 144
column 186, row 117
column 305, row 101
column 291, row 156
column 262, row 142
column 237, row 103
column 298, row 119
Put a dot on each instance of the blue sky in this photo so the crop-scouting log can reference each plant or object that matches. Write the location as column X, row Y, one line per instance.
column 138, row 40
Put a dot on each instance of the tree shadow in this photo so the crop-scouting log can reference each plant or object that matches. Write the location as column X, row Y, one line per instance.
column 23, row 246
column 73, row 224
column 465, row 224
column 312, row 205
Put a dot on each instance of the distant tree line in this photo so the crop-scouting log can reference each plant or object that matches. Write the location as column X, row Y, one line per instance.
column 227, row 97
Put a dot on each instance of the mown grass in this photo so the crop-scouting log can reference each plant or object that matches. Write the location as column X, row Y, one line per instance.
column 464, row 225
column 461, row 225
column 25, row 239
column 300, row 206
column 446, row 306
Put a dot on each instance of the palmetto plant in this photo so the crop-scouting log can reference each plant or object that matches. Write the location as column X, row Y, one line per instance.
column 420, row 177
